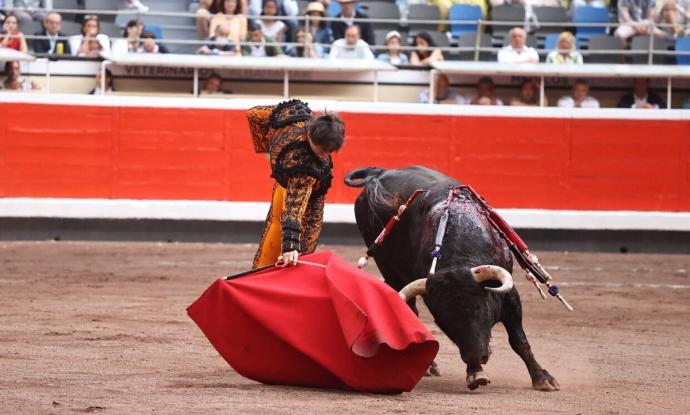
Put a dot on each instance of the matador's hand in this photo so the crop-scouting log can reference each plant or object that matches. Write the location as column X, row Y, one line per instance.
column 287, row 258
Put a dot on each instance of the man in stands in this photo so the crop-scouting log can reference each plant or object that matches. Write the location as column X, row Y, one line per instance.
column 351, row 47
column 51, row 30
column 219, row 44
column 260, row 45
column 486, row 94
column 444, row 95
column 347, row 18
column 148, row 44
column 579, row 97
column 636, row 18
column 641, row 96
column 517, row 51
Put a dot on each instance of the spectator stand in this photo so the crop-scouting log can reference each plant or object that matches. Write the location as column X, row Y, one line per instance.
column 566, row 71
column 283, row 64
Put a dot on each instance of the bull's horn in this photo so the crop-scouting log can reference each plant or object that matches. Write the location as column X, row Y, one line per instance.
column 413, row 289
column 493, row 272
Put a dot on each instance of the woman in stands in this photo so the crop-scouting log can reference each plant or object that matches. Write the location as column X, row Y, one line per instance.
column 270, row 25
column 565, row 52
column 306, row 48
column 230, row 13
column 132, row 33
column 14, row 81
column 210, row 9
column 393, row 54
column 12, row 38
column 320, row 29
column 424, row 52
column 529, row 95
column 90, row 31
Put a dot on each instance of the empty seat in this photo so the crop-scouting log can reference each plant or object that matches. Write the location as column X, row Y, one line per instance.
column 514, row 15
column 96, row 5
column 383, row 10
column 110, row 29
column 551, row 19
column 589, row 14
column 470, row 41
column 683, row 45
column 604, row 49
column 71, row 28
column 423, row 12
column 71, row 5
column 641, row 44
column 468, row 12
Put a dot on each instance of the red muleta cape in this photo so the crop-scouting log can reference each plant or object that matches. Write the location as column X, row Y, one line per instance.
column 333, row 327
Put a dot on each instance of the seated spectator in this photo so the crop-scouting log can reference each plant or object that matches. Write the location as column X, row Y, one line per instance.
column 641, row 96
column 306, row 48
column 90, row 30
column 565, row 51
column 220, row 44
column 442, row 91
column 13, row 80
column 351, row 47
column 347, row 17
column 674, row 16
column 270, row 25
column 148, row 43
column 231, row 12
column 260, row 45
column 28, row 10
column 393, row 54
column 12, row 38
column 51, row 30
column 529, row 95
column 425, row 51
column 108, row 83
column 213, row 85
column 320, row 29
column 636, row 18
column 131, row 33
column 486, row 94
column 517, row 51
column 579, row 97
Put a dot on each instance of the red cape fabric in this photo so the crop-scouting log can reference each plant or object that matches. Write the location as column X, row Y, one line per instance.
column 337, row 327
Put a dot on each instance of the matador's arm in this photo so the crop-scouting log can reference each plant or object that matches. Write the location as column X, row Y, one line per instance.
column 258, row 126
column 299, row 189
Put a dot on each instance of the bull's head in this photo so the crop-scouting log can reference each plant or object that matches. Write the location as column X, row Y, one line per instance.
column 480, row 274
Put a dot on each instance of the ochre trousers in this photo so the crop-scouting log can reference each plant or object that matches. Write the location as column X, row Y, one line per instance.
column 271, row 240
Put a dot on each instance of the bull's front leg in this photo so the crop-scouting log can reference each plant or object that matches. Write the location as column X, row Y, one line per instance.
column 512, row 320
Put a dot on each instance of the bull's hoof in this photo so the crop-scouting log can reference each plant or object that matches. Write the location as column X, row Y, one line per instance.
column 545, row 383
column 477, row 379
column 433, row 370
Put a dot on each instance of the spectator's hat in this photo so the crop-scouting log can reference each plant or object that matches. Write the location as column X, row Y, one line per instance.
column 392, row 34
column 316, row 6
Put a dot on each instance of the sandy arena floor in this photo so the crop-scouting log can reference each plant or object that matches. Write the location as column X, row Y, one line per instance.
column 102, row 328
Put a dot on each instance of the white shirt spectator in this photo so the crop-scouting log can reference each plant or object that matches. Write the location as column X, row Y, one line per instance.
column 509, row 55
column 75, row 43
column 273, row 30
column 340, row 50
column 569, row 102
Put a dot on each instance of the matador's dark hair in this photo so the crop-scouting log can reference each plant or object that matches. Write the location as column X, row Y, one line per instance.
column 327, row 131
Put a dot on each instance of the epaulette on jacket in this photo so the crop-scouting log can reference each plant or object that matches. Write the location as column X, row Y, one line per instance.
column 289, row 112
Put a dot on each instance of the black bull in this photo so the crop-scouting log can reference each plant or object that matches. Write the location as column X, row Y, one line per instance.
column 462, row 307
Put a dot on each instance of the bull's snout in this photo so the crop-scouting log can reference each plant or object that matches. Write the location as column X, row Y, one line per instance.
column 493, row 273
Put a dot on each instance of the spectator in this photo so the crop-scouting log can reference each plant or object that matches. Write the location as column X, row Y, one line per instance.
column 90, row 30
column 213, row 12
column 270, row 25
column 565, row 51
column 529, row 95
column 306, row 48
column 131, row 33
column 674, row 15
column 485, row 93
column 148, row 43
column 108, row 83
column 579, row 97
column 636, row 18
column 424, row 52
column 13, row 80
column 442, row 91
column 220, row 44
column 517, row 51
column 347, row 17
column 12, row 38
column 28, row 10
column 51, row 31
column 320, row 30
column 260, row 45
column 351, row 47
column 393, row 54
column 641, row 96
column 213, row 84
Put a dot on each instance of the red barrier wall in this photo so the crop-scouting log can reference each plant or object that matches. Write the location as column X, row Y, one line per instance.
column 175, row 153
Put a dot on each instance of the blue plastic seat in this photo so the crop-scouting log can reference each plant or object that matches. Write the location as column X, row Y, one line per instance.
column 155, row 29
column 589, row 14
column 464, row 12
column 683, row 45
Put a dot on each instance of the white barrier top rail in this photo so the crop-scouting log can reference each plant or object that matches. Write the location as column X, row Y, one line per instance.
column 13, row 55
column 284, row 64
column 542, row 70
